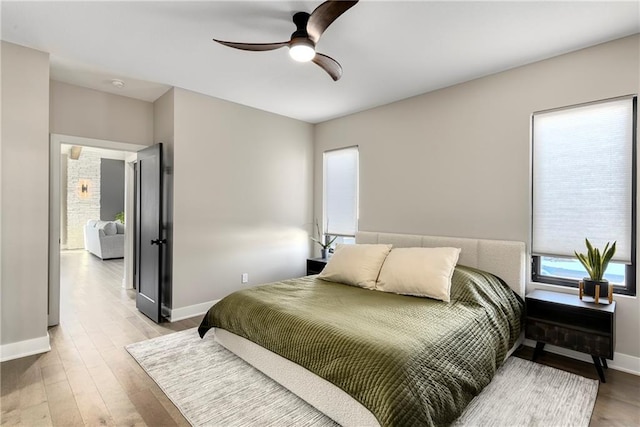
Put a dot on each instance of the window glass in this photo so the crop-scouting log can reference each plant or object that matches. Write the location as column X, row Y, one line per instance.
column 344, row 240
column 567, row 268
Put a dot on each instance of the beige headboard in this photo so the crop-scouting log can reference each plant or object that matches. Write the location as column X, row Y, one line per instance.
column 505, row 259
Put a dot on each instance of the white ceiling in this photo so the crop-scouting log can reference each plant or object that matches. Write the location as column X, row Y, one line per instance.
column 389, row 50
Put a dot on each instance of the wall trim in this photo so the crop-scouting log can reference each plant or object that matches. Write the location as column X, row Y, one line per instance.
column 621, row 362
column 16, row 350
column 191, row 310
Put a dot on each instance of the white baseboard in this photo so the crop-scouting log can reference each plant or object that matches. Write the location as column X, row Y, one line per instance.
column 16, row 350
column 191, row 310
column 621, row 362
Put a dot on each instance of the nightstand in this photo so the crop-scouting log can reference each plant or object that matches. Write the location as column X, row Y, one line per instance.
column 565, row 321
column 315, row 265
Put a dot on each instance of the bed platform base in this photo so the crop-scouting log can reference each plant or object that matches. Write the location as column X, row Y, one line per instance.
column 318, row 392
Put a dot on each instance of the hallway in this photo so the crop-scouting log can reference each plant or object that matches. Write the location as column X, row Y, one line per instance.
column 88, row 378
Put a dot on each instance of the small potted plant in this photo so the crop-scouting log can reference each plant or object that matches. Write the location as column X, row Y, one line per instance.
column 325, row 243
column 596, row 263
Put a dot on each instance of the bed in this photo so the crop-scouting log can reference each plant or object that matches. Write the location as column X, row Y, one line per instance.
column 403, row 373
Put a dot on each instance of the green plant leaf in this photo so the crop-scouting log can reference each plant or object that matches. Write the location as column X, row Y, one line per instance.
column 598, row 266
column 322, row 244
column 607, row 257
column 592, row 259
column 589, row 247
column 585, row 262
column 583, row 259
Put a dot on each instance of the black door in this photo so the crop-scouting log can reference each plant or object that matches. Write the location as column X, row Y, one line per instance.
column 148, row 231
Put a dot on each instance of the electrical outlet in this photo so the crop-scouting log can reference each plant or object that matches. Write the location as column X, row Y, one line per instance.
column 245, row 277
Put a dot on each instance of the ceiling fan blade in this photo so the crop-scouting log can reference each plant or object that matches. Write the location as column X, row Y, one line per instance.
column 324, row 15
column 256, row 47
column 328, row 64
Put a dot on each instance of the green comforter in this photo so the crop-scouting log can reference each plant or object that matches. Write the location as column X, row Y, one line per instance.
column 410, row 361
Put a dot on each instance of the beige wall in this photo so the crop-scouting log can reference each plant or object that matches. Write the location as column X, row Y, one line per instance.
column 25, row 195
column 79, row 111
column 243, row 197
column 163, row 119
column 455, row 162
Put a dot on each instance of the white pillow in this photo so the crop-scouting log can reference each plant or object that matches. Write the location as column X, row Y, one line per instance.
column 355, row 265
column 423, row 272
column 109, row 228
column 119, row 227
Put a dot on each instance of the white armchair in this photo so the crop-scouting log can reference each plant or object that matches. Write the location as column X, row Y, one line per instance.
column 104, row 239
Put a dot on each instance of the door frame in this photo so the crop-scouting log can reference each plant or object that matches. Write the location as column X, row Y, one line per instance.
column 55, row 142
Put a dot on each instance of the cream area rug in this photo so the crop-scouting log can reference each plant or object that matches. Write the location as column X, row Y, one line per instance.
column 213, row 387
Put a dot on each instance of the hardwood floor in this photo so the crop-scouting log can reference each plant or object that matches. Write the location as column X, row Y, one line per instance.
column 88, row 378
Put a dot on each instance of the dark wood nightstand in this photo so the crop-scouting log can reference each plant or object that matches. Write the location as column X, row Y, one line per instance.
column 315, row 265
column 566, row 321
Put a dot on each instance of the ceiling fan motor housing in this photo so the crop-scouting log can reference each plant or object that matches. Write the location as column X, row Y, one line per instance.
column 300, row 19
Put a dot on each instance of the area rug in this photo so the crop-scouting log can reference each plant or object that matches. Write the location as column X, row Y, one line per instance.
column 213, row 387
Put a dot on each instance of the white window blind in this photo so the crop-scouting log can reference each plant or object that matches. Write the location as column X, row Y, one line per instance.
column 582, row 178
column 341, row 191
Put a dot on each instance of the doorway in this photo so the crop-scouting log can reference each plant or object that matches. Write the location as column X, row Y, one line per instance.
column 84, row 189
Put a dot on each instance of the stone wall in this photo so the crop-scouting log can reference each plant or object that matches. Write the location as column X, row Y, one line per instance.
column 82, row 174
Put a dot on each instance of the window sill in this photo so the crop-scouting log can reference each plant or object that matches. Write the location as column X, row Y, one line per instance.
column 567, row 290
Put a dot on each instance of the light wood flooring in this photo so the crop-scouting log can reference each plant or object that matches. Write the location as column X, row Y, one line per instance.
column 88, row 378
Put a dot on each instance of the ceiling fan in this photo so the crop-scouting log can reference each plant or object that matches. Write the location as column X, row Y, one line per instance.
column 309, row 28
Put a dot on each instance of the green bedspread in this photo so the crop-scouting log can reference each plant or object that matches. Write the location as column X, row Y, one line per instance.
column 410, row 361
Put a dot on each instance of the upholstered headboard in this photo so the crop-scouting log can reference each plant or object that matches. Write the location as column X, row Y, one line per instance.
column 505, row 259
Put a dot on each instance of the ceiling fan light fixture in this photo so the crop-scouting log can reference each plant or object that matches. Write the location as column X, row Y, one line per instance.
column 302, row 50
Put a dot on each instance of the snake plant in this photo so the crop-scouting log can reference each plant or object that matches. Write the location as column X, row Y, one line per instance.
column 596, row 262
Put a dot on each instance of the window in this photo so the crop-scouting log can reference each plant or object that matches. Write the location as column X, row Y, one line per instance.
column 584, row 185
column 341, row 192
